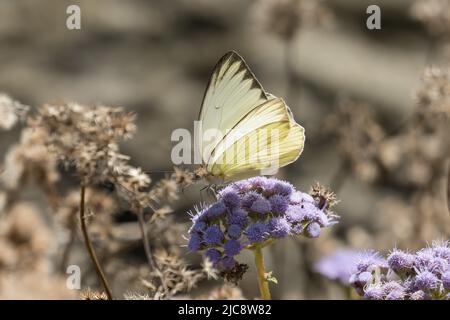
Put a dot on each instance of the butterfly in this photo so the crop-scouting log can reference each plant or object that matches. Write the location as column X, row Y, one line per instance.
column 244, row 130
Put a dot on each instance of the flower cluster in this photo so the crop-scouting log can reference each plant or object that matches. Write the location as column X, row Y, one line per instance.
column 338, row 266
column 404, row 275
column 254, row 212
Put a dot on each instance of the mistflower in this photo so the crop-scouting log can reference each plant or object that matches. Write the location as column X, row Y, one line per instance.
column 412, row 276
column 400, row 261
column 257, row 232
column 251, row 214
column 338, row 266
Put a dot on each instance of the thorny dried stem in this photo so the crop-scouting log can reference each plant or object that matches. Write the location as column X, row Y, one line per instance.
column 90, row 247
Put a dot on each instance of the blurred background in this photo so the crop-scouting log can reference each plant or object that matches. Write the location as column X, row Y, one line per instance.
column 360, row 95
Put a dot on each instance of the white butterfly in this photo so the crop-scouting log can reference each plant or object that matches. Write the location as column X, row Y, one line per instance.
column 243, row 129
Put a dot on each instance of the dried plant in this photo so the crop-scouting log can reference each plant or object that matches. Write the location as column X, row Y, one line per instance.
column 435, row 14
column 11, row 111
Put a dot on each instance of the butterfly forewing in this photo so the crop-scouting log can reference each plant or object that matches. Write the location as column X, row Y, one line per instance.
column 232, row 92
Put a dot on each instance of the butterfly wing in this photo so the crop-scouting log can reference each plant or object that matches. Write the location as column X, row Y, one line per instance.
column 266, row 138
column 232, row 92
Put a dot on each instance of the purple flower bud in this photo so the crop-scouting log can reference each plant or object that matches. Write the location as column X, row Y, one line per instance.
column 256, row 232
column 374, row 293
column 294, row 213
column 297, row 228
column 446, row 279
column 261, row 205
column 312, row 230
column 238, row 216
column 198, row 226
column 249, row 198
column 213, row 255
column 228, row 263
column 216, row 210
column 232, row 247
column 442, row 250
column 279, row 204
column 419, row 295
column 338, row 265
column 400, row 261
column 213, row 235
column 364, row 278
column 278, row 227
column 195, row 242
column 282, row 188
column 234, row 231
column 395, row 295
column 230, row 197
column 425, row 280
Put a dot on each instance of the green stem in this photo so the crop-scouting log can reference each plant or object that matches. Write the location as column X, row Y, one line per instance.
column 261, row 273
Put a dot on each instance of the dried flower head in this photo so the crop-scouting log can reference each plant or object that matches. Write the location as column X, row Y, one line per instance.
column 434, row 95
column 90, row 294
column 11, row 112
column 434, row 14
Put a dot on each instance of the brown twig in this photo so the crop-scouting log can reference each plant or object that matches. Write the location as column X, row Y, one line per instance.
column 90, row 247
column 145, row 240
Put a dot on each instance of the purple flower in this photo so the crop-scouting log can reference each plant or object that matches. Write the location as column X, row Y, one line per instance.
column 395, row 295
column 369, row 260
column 232, row 247
column 252, row 211
column 234, row 231
column 261, row 205
column 228, row 263
column 213, row 235
column 230, row 197
column 312, row 230
column 425, row 280
column 419, row 295
column 446, row 279
column 239, row 217
column 213, row 255
column 400, row 261
column 416, row 276
column 257, row 232
column 198, row 226
column 249, row 198
column 374, row 293
column 338, row 266
column 216, row 210
column 303, row 212
column 282, row 188
column 195, row 242
column 278, row 227
column 279, row 204
column 297, row 228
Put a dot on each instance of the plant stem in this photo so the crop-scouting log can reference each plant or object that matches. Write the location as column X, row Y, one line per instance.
column 145, row 239
column 261, row 273
column 90, row 247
